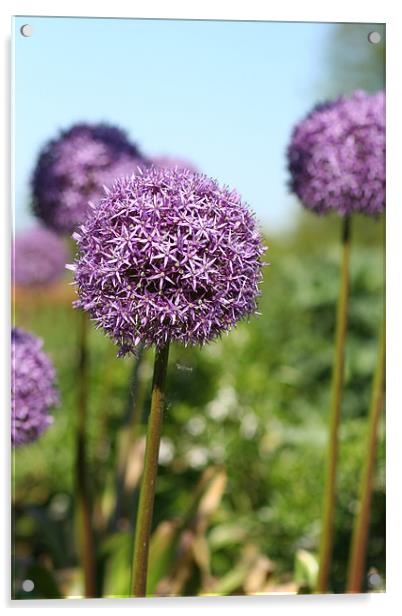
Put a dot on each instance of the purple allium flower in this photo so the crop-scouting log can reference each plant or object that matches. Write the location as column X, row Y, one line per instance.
column 166, row 162
column 337, row 156
column 32, row 391
column 39, row 257
column 168, row 255
column 73, row 168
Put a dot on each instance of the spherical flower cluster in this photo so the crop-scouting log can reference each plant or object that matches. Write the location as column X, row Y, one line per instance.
column 39, row 257
column 168, row 255
column 337, row 156
column 166, row 162
column 72, row 170
column 32, row 391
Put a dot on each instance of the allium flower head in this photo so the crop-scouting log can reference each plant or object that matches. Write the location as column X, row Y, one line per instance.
column 39, row 257
column 168, row 255
column 72, row 170
column 33, row 392
column 337, row 156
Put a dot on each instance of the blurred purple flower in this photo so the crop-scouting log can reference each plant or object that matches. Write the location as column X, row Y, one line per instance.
column 166, row 162
column 72, row 169
column 39, row 257
column 337, row 156
column 32, row 390
column 168, row 255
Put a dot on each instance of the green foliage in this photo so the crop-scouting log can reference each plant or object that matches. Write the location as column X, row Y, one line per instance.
column 306, row 570
column 255, row 403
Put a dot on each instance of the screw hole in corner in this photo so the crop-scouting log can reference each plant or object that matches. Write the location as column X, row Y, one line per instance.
column 26, row 30
column 374, row 38
column 28, row 585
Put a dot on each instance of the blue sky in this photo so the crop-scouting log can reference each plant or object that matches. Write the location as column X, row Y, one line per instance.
column 223, row 95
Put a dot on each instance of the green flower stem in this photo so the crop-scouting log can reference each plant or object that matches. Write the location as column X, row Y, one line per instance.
column 362, row 521
column 83, row 503
column 147, row 494
column 325, row 556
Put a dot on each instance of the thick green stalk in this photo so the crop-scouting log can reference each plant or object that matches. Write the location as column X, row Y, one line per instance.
column 147, row 494
column 326, row 545
column 362, row 521
column 84, row 515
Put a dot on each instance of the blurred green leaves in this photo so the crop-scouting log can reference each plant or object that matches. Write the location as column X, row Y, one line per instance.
column 254, row 404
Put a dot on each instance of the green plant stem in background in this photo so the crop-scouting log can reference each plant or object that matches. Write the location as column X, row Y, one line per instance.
column 83, row 503
column 128, row 433
column 326, row 544
column 147, row 494
column 362, row 520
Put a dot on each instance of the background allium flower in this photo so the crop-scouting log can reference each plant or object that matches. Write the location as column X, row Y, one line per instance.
column 166, row 162
column 32, row 391
column 73, row 168
column 168, row 255
column 337, row 156
column 39, row 257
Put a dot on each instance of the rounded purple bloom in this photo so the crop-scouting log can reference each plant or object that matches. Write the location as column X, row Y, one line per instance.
column 39, row 257
column 168, row 255
column 337, row 156
column 32, row 391
column 72, row 170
